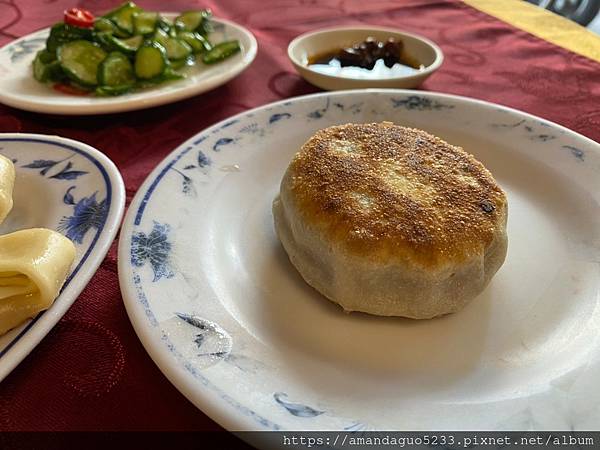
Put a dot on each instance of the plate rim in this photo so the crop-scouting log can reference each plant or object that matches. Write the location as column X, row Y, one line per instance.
column 209, row 402
column 124, row 105
column 22, row 344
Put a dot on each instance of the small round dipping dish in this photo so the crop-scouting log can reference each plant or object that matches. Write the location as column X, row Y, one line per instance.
column 309, row 45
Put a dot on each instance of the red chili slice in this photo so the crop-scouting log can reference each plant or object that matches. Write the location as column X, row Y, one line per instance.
column 68, row 89
column 79, row 17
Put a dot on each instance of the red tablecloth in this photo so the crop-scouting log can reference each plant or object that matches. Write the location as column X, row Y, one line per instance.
column 91, row 372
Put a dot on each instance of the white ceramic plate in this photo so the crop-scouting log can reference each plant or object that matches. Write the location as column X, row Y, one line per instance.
column 19, row 89
column 226, row 317
column 67, row 186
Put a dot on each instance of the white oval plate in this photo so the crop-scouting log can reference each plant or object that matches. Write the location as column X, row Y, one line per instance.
column 19, row 89
column 66, row 186
column 227, row 318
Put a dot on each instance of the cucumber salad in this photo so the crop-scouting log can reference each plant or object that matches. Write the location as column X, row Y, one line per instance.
column 126, row 49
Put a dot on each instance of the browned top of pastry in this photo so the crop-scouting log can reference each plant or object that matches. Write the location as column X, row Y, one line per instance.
column 385, row 191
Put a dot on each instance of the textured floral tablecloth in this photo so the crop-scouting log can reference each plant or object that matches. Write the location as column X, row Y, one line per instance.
column 91, row 372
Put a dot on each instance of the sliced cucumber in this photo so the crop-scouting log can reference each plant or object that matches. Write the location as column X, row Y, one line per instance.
column 116, row 70
column 122, row 17
column 105, row 91
column 179, row 63
column 150, row 61
column 80, row 61
column 192, row 20
column 164, row 24
column 177, row 49
column 198, row 42
column 118, row 9
column 62, row 33
column 144, row 22
column 103, row 24
column 128, row 46
column 161, row 36
column 110, row 43
column 39, row 68
column 105, row 40
column 221, row 51
column 169, row 75
column 206, row 27
column 45, row 56
column 45, row 69
column 173, row 32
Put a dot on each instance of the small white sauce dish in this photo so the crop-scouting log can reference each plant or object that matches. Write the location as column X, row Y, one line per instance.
column 309, row 45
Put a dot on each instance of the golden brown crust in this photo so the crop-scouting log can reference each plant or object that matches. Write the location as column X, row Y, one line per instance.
column 384, row 191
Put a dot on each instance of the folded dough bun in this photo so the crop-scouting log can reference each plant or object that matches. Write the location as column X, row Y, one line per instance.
column 7, row 181
column 391, row 221
column 33, row 267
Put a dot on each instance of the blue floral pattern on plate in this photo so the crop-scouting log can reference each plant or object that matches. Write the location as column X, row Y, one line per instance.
column 419, row 103
column 26, row 47
column 296, row 409
column 88, row 213
column 153, row 248
column 530, row 128
column 65, row 173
